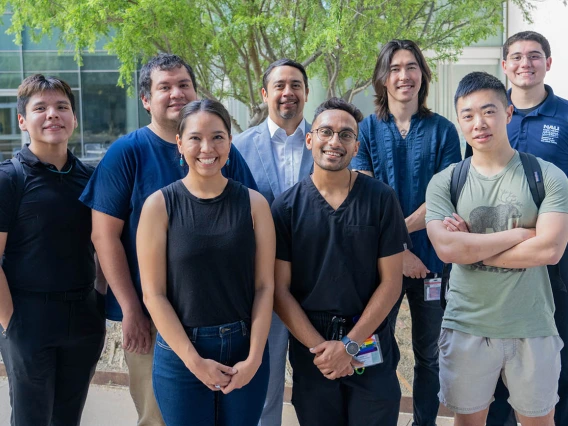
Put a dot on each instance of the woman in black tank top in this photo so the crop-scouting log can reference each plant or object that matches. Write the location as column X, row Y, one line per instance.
column 206, row 250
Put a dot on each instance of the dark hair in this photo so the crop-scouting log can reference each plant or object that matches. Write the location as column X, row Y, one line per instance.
column 38, row 83
column 478, row 80
column 204, row 105
column 527, row 36
column 162, row 62
column 283, row 63
column 340, row 104
column 382, row 71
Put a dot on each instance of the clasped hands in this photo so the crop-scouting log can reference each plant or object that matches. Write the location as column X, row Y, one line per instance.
column 333, row 361
column 219, row 377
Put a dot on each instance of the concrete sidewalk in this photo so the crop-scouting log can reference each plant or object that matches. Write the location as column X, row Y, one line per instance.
column 112, row 406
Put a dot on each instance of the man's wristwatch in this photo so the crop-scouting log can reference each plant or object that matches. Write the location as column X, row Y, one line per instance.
column 351, row 347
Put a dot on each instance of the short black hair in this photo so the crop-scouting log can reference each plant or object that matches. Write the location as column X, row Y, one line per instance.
column 162, row 62
column 205, row 105
column 283, row 63
column 38, row 83
column 340, row 104
column 478, row 80
column 527, row 36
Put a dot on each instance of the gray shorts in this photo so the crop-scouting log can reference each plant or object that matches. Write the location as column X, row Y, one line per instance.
column 470, row 367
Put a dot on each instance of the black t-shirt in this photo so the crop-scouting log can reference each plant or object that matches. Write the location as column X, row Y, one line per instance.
column 334, row 253
column 49, row 246
column 211, row 251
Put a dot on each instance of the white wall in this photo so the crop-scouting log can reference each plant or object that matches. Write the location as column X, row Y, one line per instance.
column 550, row 18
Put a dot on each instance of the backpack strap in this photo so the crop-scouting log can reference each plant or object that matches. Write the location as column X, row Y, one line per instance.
column 459, row 176
column 533, row 172
column 20, row 182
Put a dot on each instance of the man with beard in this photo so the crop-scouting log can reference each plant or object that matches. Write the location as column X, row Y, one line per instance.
column 340, row 238
column 277, row 155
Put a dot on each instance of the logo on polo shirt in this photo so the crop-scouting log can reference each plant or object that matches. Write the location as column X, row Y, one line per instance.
column 550, row 134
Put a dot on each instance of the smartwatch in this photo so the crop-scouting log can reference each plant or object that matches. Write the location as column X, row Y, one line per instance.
column 351, row 347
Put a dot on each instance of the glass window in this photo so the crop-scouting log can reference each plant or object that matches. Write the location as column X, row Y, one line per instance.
column 99, row 61
column 10, row 61
column 7, row 40
column 104, row 111
column 47, row 61
column 10, row 134
column 10, row 80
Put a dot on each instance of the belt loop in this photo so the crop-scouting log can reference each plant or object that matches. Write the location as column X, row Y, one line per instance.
column 243, row 328
column 194, row 333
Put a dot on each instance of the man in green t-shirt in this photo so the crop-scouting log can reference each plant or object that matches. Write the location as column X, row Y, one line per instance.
column 499, row 318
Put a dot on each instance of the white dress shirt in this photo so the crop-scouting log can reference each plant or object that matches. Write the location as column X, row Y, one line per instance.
column 287, row 151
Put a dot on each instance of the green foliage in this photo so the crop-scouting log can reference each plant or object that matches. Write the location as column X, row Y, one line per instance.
column 230, row 42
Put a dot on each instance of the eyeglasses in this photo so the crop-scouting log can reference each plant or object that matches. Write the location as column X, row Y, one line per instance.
column 531, row 57
column 325, row 134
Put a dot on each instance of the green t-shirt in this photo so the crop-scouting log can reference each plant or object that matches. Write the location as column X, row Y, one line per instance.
column 495, row 302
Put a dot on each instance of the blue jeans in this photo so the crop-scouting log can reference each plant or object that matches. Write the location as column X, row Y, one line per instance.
column 426, row 326
column 185, row 401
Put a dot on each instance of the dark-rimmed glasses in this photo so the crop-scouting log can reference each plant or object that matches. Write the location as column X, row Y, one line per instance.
column 325, row 134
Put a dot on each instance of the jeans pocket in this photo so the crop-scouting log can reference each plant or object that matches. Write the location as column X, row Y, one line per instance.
column 160, row 342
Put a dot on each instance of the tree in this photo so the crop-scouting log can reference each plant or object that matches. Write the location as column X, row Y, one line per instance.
column 230, row 42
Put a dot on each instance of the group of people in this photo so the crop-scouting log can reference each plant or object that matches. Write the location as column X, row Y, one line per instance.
column 224, row 255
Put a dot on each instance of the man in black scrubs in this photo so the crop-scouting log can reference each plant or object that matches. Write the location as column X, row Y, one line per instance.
column 51, row 318
column 340, row 238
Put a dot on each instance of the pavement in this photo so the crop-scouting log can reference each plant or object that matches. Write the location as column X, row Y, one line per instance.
column 112, row 406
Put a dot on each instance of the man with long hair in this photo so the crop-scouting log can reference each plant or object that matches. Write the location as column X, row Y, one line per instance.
column 404, row 144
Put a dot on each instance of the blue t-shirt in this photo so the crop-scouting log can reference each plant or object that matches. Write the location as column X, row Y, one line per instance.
column 408, row 164
column 134, row 167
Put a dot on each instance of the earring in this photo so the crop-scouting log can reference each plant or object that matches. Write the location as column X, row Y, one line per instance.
column 181, row 160
column 228, row 162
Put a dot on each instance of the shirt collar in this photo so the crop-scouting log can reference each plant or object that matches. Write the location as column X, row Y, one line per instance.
column 547, row 108
column 28, row 157
column 273, row 127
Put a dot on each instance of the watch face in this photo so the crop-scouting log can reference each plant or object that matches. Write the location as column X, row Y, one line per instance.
column 352, row 348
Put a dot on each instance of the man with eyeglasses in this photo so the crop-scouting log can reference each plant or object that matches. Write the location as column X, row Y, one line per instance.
column 539, row 125
column 340, row 236
column 404, row 144
column 276, row 154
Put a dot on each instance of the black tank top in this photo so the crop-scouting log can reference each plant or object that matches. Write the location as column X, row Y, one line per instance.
column 210, row 255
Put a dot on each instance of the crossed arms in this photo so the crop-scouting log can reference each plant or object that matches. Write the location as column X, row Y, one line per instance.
column 514, row 248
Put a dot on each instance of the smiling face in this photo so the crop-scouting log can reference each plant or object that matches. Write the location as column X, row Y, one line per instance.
column 483, row 119
column 332, row 155
column 526, row 64
column 171, row 90
column 285, row 95
column 205, row 143
column 404, row 79
column 49, row 118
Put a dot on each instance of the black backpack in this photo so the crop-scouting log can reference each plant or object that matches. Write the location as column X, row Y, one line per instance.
column 533, row 172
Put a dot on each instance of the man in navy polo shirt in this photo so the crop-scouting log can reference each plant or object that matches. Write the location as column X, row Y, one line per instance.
column 134, row 167
column 539, row 126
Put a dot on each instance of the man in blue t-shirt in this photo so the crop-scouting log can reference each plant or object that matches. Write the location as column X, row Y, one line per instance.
column 404, row 144
column 539, row 125
column 134, row 167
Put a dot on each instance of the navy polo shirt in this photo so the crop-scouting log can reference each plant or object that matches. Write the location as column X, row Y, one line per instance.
column 408, row 164
column 136, row 166
column 544, row 131
column 49, row 245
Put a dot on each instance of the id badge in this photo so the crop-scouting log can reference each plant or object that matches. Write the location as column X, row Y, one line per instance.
column 370, row 352
column 432, row 288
